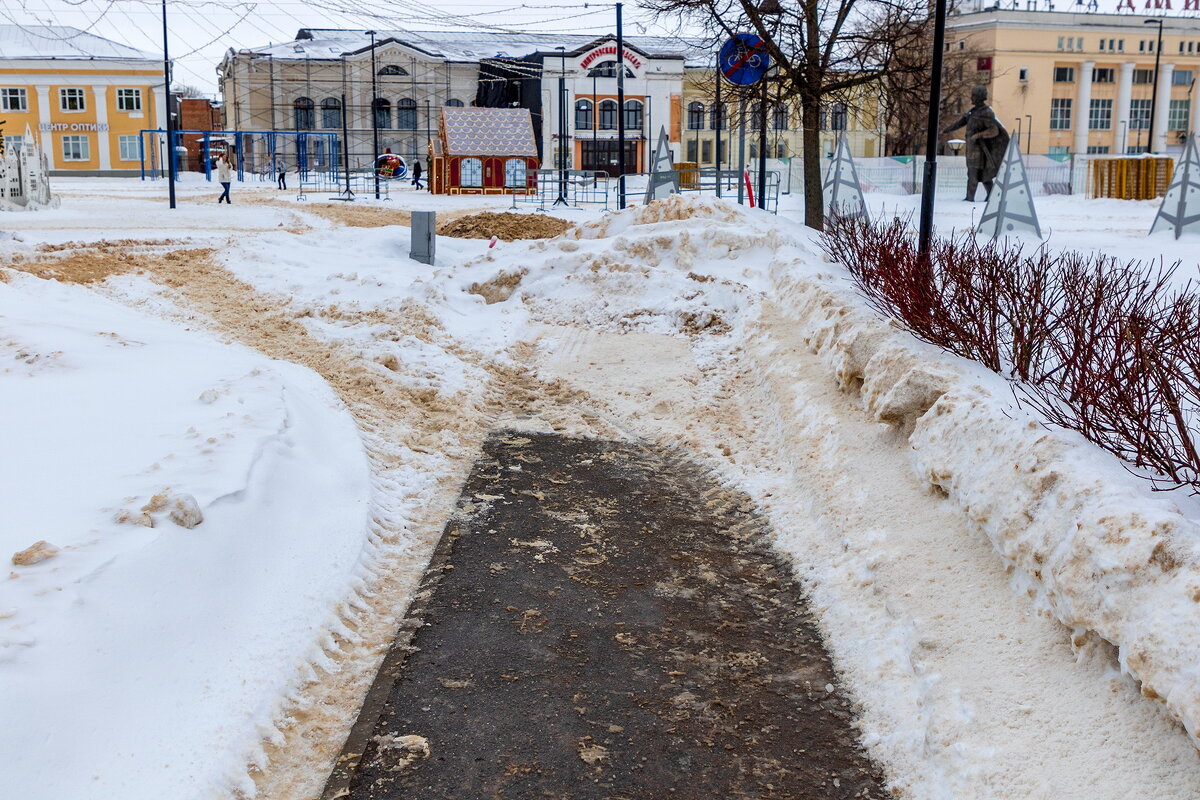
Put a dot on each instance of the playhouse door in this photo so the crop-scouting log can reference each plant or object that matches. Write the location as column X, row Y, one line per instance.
column 493, row 173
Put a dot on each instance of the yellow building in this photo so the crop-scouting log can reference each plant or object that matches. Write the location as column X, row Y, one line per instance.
column 701, row 126
column 1084, row 83
column 85, row 97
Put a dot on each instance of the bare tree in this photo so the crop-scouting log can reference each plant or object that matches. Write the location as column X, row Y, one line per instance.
column 822, row 48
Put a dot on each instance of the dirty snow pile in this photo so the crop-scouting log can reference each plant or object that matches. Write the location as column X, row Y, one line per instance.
column 182, row 517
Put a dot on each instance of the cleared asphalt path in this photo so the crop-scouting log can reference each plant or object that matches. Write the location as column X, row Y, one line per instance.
column 603, row 620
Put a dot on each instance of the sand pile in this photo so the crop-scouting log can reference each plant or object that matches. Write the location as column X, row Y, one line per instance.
column 506, row 225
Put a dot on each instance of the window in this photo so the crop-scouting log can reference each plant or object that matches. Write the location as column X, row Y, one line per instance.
column 695, row 116
column 1177, row 115
column 1059, row 150
column 1143, row 76
column 779, row 117
column 706, row 152
column 331, row 113
column 583, row 115
column 304, row 113
column 13, row 99
column 837, row 117
column 1139, row 115
column 1103, row 75
column 1078, row 42
column 693, row 148
column 780, row 150
column 383, row 113
column 127, row 147
column 14, row 144
column 1142, row 46
column 1181, row 77
column 406, row 114
column 1120, row 45
column 1060, row 43
column 454, row 103
column 71, row 100
column 717, row 117
column 633, row 115
column 129, row 100
column 1023, row 74
column 1100, row 115
column 392, row 69
column 470, row 171
column 607, row 69
column 75, row 148
column 756, row 109
column 608, row 115
column 1137, row 149
column 1064, row 74
column 515, row 172
column 1097, row 150
column 1102, row 42
column 1060, row 114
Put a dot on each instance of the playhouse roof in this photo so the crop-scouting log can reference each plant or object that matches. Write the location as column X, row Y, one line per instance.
column 488, row 132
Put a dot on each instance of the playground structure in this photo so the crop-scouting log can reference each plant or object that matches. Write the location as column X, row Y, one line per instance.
column 255, row 152
column 24, row 176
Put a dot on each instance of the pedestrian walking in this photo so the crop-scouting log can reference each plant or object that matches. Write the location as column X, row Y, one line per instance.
column 416, row 181
column 224, row 177
column 281, row 173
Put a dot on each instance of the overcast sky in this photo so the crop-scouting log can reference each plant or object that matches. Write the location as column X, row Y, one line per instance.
column 202, row 30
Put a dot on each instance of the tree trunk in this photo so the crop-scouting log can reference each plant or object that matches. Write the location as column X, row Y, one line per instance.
column 814, row 203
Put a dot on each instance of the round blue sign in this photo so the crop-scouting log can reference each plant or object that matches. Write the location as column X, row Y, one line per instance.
column 743, row 59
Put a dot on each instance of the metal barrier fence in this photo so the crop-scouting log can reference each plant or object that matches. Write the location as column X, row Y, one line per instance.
column 727, row 183
column 571, row 187
column 361, row 184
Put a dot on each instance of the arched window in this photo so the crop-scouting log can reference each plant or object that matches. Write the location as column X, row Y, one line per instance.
column 583, row 115
column 470, row 172
column 608, row 115
column 779, row 117
column 406, row 114
column 331, row 113
column 756, row 115
column 304, row 114
column 718, row 116
column 383, row 113
column 695, row 116
column 392, row 69
column 454, row 103
column 633, row 114
column 608, row 69
column 514, row 172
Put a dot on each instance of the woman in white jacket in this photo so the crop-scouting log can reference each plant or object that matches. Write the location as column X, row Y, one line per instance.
column 225, row 177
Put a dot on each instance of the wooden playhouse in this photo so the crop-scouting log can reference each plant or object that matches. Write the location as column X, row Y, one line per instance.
column 483, row 151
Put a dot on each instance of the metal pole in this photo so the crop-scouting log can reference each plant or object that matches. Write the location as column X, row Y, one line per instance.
column 620, row 111
column 170, row 122
column 562, row 128
column 374, row 118
column 929, row 183
column 762, row 147
column 741, row 182
column 1154, row 87
column 718, row 116
column 595, row 122
column 346, row 148
column 1029, row 134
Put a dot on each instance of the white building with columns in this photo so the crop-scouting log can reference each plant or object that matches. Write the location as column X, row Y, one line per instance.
column 1086, row 82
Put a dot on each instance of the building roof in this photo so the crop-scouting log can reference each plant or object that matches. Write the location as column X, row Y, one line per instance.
column 488, row 132
column 62, row 42
column 474, row 46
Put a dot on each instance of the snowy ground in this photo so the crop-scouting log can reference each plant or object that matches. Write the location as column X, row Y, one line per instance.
column 322, row 396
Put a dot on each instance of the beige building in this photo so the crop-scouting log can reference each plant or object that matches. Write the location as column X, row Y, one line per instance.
column 1082, row 83
column 701, row 126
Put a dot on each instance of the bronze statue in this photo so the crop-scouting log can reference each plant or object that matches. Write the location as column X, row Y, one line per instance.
column 986, row 142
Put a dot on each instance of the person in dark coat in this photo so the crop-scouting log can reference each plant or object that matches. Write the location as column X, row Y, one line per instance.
column 986, row 142
column 281, row 173
column 416, row 181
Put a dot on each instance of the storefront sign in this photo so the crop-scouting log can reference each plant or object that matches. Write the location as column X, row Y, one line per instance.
column 611, row 50
column 98, row 127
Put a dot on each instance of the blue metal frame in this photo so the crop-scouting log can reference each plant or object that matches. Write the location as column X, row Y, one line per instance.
column 302, row 150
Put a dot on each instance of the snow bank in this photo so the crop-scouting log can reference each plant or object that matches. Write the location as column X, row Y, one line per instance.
column 1105, row 557
column 209, row 507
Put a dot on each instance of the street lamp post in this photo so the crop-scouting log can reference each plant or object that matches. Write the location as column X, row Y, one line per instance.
column 1029, row 134
column 929, row 181
column 170, row 121
column 374, row 116
column 561, row 200
column 1154, row 87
